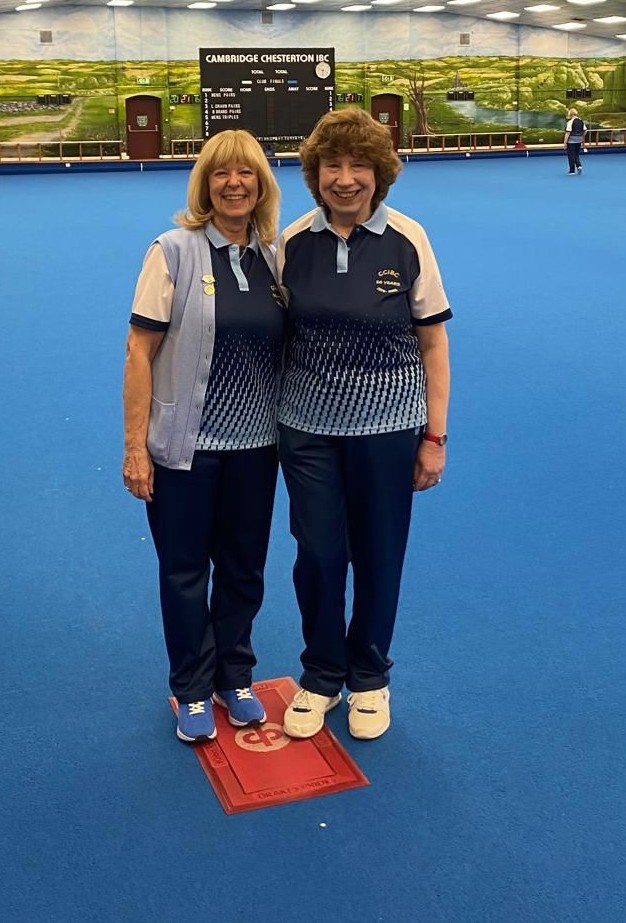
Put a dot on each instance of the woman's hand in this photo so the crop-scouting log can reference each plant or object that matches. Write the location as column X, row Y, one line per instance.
column 138, row 473
column 429, row 464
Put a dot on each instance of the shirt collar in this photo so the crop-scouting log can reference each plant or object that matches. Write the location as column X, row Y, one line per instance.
column 218, row 240
column 376, row 224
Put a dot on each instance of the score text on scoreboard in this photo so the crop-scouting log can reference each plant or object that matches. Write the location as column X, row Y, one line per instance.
column 277, row 94
column 184, row 99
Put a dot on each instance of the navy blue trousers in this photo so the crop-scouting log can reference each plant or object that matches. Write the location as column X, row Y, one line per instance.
column 212, row 523
column 350, row 503
column 573, row 156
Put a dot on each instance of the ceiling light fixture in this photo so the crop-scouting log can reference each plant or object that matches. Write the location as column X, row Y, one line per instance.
column 541, row 8
column 503, row 15
column 429, row 8
column 569, row 26
column 611, row 19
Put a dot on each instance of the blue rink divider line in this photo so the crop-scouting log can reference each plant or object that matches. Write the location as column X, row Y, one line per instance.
column 99, row 166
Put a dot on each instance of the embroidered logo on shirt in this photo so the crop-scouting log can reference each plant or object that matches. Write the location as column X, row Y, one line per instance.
column 208, row 285
column 388, row 282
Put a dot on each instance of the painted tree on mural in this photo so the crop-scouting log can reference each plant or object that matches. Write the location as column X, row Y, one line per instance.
column 415, row 92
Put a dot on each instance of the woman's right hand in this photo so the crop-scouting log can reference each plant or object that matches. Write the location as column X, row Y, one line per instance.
column 138, row 473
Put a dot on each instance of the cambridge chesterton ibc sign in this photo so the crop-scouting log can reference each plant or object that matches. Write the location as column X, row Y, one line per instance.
column 278, row 94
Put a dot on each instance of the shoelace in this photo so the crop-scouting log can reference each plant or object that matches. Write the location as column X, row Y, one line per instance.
column 304, row 701
column 367, row 701
column 196, row 708
column 243, row 694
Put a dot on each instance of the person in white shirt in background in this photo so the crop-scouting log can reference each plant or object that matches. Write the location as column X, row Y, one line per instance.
column 573, row 140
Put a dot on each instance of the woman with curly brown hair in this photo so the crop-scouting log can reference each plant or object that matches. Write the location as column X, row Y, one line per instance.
column 362, row 412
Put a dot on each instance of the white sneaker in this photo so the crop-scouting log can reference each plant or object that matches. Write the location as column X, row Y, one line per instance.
column 305, row 715
column 368, row 713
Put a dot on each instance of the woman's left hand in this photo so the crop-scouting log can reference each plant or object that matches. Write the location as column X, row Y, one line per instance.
column 429, row 464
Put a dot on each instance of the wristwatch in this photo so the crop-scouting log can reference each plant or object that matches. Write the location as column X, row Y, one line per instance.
column 438, row 440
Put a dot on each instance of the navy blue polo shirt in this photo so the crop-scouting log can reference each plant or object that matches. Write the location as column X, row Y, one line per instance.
column 353, row 365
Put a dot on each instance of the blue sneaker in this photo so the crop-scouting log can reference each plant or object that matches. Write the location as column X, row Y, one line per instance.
column 243, row 706
column 195, row 722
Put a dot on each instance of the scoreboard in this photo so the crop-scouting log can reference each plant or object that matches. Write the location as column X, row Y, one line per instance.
column 277, row 94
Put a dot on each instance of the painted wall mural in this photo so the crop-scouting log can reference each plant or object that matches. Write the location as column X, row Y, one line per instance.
column 68, row 75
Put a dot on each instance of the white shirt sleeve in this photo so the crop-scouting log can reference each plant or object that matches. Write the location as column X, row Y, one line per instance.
column 154, row 292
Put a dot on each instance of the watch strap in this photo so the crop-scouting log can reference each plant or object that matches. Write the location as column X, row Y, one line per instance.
column 438, row 440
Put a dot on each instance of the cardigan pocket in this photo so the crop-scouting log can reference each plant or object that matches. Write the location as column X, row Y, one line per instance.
column 160, row 430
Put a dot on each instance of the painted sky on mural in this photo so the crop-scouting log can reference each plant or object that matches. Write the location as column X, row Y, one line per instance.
column 150, row 34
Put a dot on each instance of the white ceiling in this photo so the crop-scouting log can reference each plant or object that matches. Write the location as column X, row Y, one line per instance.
column 568, row 10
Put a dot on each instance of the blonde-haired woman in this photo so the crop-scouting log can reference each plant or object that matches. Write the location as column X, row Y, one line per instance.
column 200, row 386
column 573, row 140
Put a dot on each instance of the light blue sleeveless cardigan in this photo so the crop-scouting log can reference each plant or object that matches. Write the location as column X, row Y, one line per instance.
column 180, row 369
